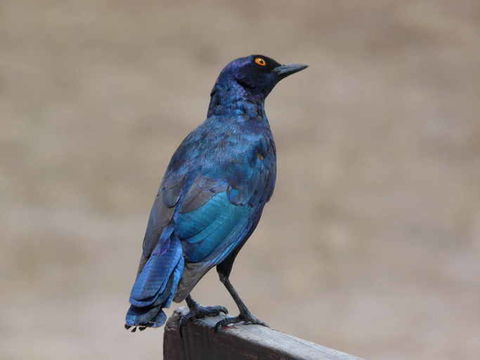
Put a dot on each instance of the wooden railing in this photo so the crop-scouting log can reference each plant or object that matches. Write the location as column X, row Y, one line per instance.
column 198, row 341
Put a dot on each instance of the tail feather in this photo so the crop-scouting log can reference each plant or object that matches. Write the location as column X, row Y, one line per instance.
column 156, row 284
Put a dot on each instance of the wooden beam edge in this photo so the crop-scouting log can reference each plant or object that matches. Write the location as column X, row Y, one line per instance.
column 244, row 340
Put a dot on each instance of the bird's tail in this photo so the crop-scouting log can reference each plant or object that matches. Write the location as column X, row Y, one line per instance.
column 156, row 283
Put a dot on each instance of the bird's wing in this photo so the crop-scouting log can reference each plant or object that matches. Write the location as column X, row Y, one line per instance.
column 209, row 213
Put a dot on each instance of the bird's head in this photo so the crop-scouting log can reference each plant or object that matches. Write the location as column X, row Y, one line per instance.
column 257, row 75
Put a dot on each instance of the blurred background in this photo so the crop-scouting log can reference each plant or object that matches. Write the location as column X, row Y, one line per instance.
column 371, row 243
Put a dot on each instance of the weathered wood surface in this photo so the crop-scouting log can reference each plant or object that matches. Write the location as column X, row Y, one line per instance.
column 239, row 342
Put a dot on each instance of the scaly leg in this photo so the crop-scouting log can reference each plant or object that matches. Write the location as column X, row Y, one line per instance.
column 245, row 315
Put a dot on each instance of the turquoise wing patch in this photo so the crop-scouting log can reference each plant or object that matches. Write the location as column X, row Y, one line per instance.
column 205, row 229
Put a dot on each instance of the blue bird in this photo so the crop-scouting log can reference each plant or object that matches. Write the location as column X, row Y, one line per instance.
column 211, row 197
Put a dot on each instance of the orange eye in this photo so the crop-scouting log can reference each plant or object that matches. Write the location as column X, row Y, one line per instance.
column 260, row 61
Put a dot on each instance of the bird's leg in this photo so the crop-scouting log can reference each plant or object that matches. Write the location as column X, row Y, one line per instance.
column 245, row 315
column 198, row 311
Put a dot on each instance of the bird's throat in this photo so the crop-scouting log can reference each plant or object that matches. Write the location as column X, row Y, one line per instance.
column 236, row 102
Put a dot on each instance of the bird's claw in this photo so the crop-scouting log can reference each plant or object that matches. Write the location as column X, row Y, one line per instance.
column 199, row 312
column 203, row 311
column 246, row 319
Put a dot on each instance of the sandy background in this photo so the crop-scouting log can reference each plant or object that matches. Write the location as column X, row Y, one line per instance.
column 371, row 243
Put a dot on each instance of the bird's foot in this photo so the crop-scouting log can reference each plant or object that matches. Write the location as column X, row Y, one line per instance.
column 245, row 318
column 199, row 312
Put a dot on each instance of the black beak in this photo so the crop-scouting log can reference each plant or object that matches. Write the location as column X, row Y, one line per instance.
column 285, row 70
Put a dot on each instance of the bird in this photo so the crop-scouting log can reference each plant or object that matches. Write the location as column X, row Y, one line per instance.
column 211, row 198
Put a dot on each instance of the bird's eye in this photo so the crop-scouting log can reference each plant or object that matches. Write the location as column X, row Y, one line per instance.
column 260, row 61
